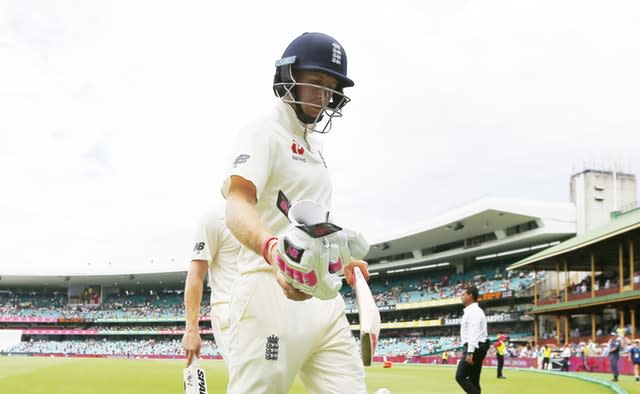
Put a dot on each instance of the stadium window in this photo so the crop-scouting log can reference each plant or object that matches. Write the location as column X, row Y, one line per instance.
column 395, row 257
column 480, row 239
column 521, row 228
column 444, row 247
column 402, row 256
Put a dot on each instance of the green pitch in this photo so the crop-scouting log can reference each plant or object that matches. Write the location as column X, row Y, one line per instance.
column 108, row 376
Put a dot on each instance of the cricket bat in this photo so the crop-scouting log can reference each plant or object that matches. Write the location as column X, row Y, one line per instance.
column 369, row 318
column 195, row 380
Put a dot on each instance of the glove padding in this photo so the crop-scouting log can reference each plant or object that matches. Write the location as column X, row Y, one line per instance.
column 312, row 253
column 351, row 244
column 304, row 262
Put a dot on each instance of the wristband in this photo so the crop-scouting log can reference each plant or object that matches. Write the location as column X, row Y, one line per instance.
column 265, row 248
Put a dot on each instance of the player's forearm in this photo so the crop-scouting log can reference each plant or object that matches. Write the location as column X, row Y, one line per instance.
column 192, row 299
column 243, row 221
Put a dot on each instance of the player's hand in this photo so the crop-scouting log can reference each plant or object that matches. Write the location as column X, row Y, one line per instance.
column 289, row 291
column 469, row 359
column 192, row 343
column 349, row 268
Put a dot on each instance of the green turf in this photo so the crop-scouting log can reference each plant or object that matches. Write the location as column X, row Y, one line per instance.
column 626, row 382
column 70, row 376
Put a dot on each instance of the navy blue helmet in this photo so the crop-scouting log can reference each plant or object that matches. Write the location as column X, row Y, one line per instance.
column 313, row 52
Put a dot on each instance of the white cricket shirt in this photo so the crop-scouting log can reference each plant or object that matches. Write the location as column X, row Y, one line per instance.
column 215, row 244
column 473, row 327
column 274, row 155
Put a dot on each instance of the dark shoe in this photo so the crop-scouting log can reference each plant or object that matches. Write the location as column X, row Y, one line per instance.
column 614, row 379
column 637, row 379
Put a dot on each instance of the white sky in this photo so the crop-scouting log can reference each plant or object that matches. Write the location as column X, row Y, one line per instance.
column 116, row 116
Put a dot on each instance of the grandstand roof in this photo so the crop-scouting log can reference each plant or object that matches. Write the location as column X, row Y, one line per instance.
column 546, row 259
column 159, row 279
column 488, row 216
column 553, row 221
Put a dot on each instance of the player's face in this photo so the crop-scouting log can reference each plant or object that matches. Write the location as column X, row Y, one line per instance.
column 314, row 98
column 466, row 298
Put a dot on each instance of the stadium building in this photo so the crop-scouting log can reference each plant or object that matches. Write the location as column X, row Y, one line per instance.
column 417, row 277
column 597, row 290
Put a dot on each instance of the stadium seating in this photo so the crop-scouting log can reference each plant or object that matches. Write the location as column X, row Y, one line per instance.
column 415, row 346
column 148, row 338
column 393, row 291
column 114, row 306
column 168, row 305
column 134, row 348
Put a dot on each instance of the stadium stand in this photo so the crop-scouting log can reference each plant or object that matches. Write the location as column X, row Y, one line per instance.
column 130, row 348
column 422, row 288
column 416, row 280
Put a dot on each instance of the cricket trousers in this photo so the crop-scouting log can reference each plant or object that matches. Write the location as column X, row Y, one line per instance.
column 272, row 339
column 220, row 326
column 467, row 375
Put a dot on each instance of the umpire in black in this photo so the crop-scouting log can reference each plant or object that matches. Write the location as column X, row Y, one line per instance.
column 475, row 340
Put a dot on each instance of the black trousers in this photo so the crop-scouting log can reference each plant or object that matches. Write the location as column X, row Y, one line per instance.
column 468, row 376
column 500, row 364
column 613, row 361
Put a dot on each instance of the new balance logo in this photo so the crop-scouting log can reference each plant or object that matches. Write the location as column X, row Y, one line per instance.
column 271, row 350
column 241, row 159
column 198, row 247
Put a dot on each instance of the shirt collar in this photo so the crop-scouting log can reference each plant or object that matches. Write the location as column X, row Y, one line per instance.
column 470, row 306
column 287, row 117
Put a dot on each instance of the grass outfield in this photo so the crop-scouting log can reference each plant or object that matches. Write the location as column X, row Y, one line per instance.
column 26, row 375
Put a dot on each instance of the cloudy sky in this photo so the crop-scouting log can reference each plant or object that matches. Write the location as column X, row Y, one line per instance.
column 116, row 116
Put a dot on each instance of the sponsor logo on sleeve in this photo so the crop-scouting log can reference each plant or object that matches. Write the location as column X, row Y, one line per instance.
column 199, row 246
column 241, row 159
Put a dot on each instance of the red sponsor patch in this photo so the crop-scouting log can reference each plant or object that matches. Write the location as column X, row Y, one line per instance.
column 297, row 149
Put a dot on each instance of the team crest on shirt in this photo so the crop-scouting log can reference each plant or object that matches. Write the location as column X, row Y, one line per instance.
column 271, row 350
column 298, row 151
